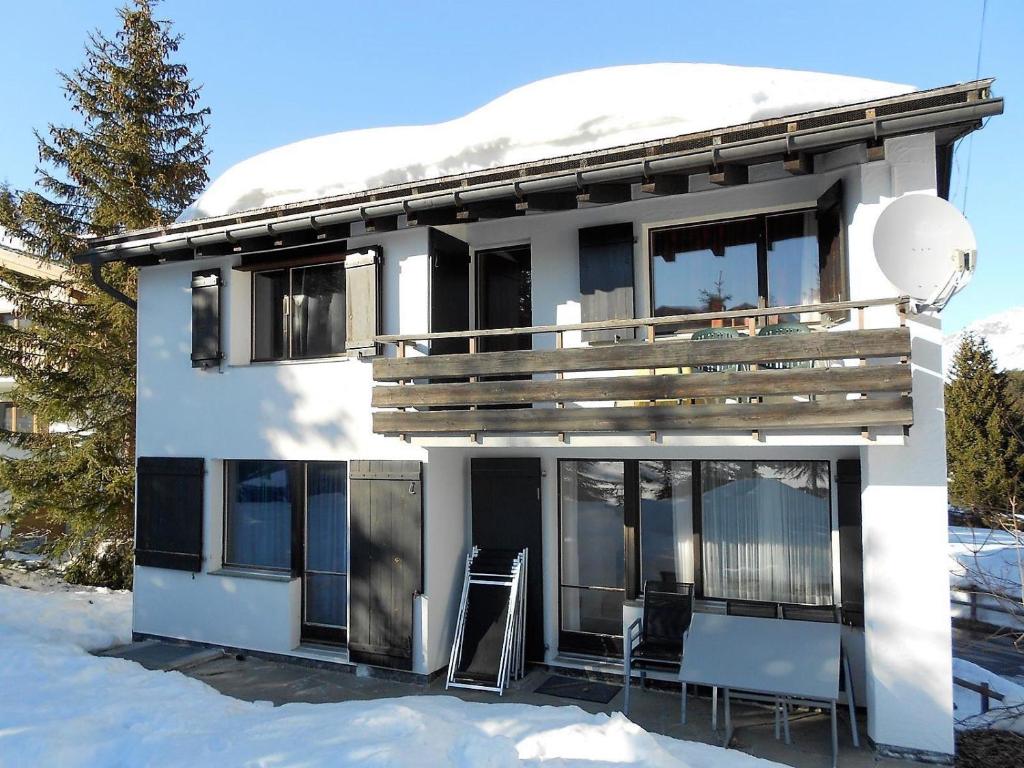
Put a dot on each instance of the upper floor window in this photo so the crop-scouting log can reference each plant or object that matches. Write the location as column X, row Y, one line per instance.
column 299, row 312
column 773, row 260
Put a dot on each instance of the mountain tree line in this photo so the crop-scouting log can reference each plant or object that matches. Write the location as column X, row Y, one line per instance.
column 135, row 157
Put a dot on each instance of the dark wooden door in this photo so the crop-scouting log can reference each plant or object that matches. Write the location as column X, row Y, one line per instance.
column 386, row 520
column 507, row 515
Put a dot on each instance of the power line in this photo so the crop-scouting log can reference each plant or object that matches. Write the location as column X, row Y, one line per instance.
column 977, row 75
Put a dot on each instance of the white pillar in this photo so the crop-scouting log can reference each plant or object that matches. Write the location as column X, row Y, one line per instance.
column 906, row 563
column 906, row 571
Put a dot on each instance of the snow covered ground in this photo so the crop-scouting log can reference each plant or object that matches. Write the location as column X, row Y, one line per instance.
column 62, row 706
column 572, row 113
column 1007, row 714
column 986, row 558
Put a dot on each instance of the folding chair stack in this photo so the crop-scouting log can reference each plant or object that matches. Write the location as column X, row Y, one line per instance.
column 490, row 636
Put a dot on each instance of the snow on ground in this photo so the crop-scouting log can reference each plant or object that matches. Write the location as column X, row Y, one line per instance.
column 985, row 558
column 61, row 706
column 1006, row 715
column 568, row 114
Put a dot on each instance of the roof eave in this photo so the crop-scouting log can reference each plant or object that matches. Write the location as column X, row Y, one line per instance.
column 964, row 105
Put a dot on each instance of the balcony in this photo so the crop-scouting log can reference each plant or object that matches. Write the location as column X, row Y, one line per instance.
column 749, row 377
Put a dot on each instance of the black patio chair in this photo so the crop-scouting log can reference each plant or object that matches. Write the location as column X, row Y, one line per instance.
column 655, row 641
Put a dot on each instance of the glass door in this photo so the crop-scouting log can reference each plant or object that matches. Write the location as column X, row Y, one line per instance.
column 325, row 573
column 593, row 561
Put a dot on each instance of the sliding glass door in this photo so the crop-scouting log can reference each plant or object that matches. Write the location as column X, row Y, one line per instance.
column 593, row 561
column 751, row 530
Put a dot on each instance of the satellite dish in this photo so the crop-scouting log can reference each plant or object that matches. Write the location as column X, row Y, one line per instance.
column 926, row 248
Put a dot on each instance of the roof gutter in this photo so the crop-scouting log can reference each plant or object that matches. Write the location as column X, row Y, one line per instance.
column 809, row 139
column 96, row 267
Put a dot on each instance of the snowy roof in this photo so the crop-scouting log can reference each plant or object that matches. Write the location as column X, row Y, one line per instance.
column 578, row 112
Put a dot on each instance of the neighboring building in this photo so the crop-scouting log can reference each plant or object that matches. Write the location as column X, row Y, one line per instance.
column 319, row 468
column 12, row 417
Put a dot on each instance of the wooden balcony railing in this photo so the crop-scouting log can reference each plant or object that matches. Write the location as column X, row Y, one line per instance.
column 794, row 381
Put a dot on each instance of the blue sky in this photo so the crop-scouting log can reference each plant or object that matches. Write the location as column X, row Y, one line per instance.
column 275, row 73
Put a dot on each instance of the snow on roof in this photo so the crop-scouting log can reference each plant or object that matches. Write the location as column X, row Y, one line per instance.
column 568, row 114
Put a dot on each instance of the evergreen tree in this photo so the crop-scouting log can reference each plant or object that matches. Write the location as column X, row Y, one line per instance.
column 135, row 159
column 983, row 445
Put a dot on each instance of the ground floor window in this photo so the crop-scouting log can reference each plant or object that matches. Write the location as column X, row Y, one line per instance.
column 292, row 517
column 737, row 529
column 261, row 498
column 766, row 531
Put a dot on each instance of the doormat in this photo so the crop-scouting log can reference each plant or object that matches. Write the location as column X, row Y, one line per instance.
column 578, row 688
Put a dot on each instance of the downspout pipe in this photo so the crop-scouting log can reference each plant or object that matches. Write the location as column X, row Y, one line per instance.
column 97, row 277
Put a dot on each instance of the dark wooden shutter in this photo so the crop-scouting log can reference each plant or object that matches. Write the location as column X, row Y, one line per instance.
column 206, row 350
column 606, row 278
column 832, row 250
column 385, row 560
column 851, row 541
column 362, row 301
column 169, row 513
column 449, row 291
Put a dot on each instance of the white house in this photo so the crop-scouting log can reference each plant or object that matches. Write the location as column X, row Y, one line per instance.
column 709, row 379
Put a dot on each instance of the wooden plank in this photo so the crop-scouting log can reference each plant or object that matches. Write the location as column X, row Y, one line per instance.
column 731, row 314
column 739, row 416
column 887, row 342
column 797, row 381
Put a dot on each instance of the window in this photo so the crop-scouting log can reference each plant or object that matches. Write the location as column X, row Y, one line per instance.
column 299, row 312
column 326, row 566
column 292, row 517
column 766, row 531
column 260, row 502
column 666, row 521
column 774, row 260
column 706, row 268
column 593, row 554
column 16, row 419
column 738, row 529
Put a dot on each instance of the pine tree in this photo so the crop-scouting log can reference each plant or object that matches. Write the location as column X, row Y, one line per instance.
column 135, row 159
column 983, row 445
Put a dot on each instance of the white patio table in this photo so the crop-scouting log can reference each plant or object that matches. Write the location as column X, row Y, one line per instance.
column 766, row 660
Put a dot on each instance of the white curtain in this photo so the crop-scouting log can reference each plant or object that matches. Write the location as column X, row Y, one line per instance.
column 766, row 531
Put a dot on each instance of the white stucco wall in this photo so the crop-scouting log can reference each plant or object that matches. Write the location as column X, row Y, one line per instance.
column 321, row 411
